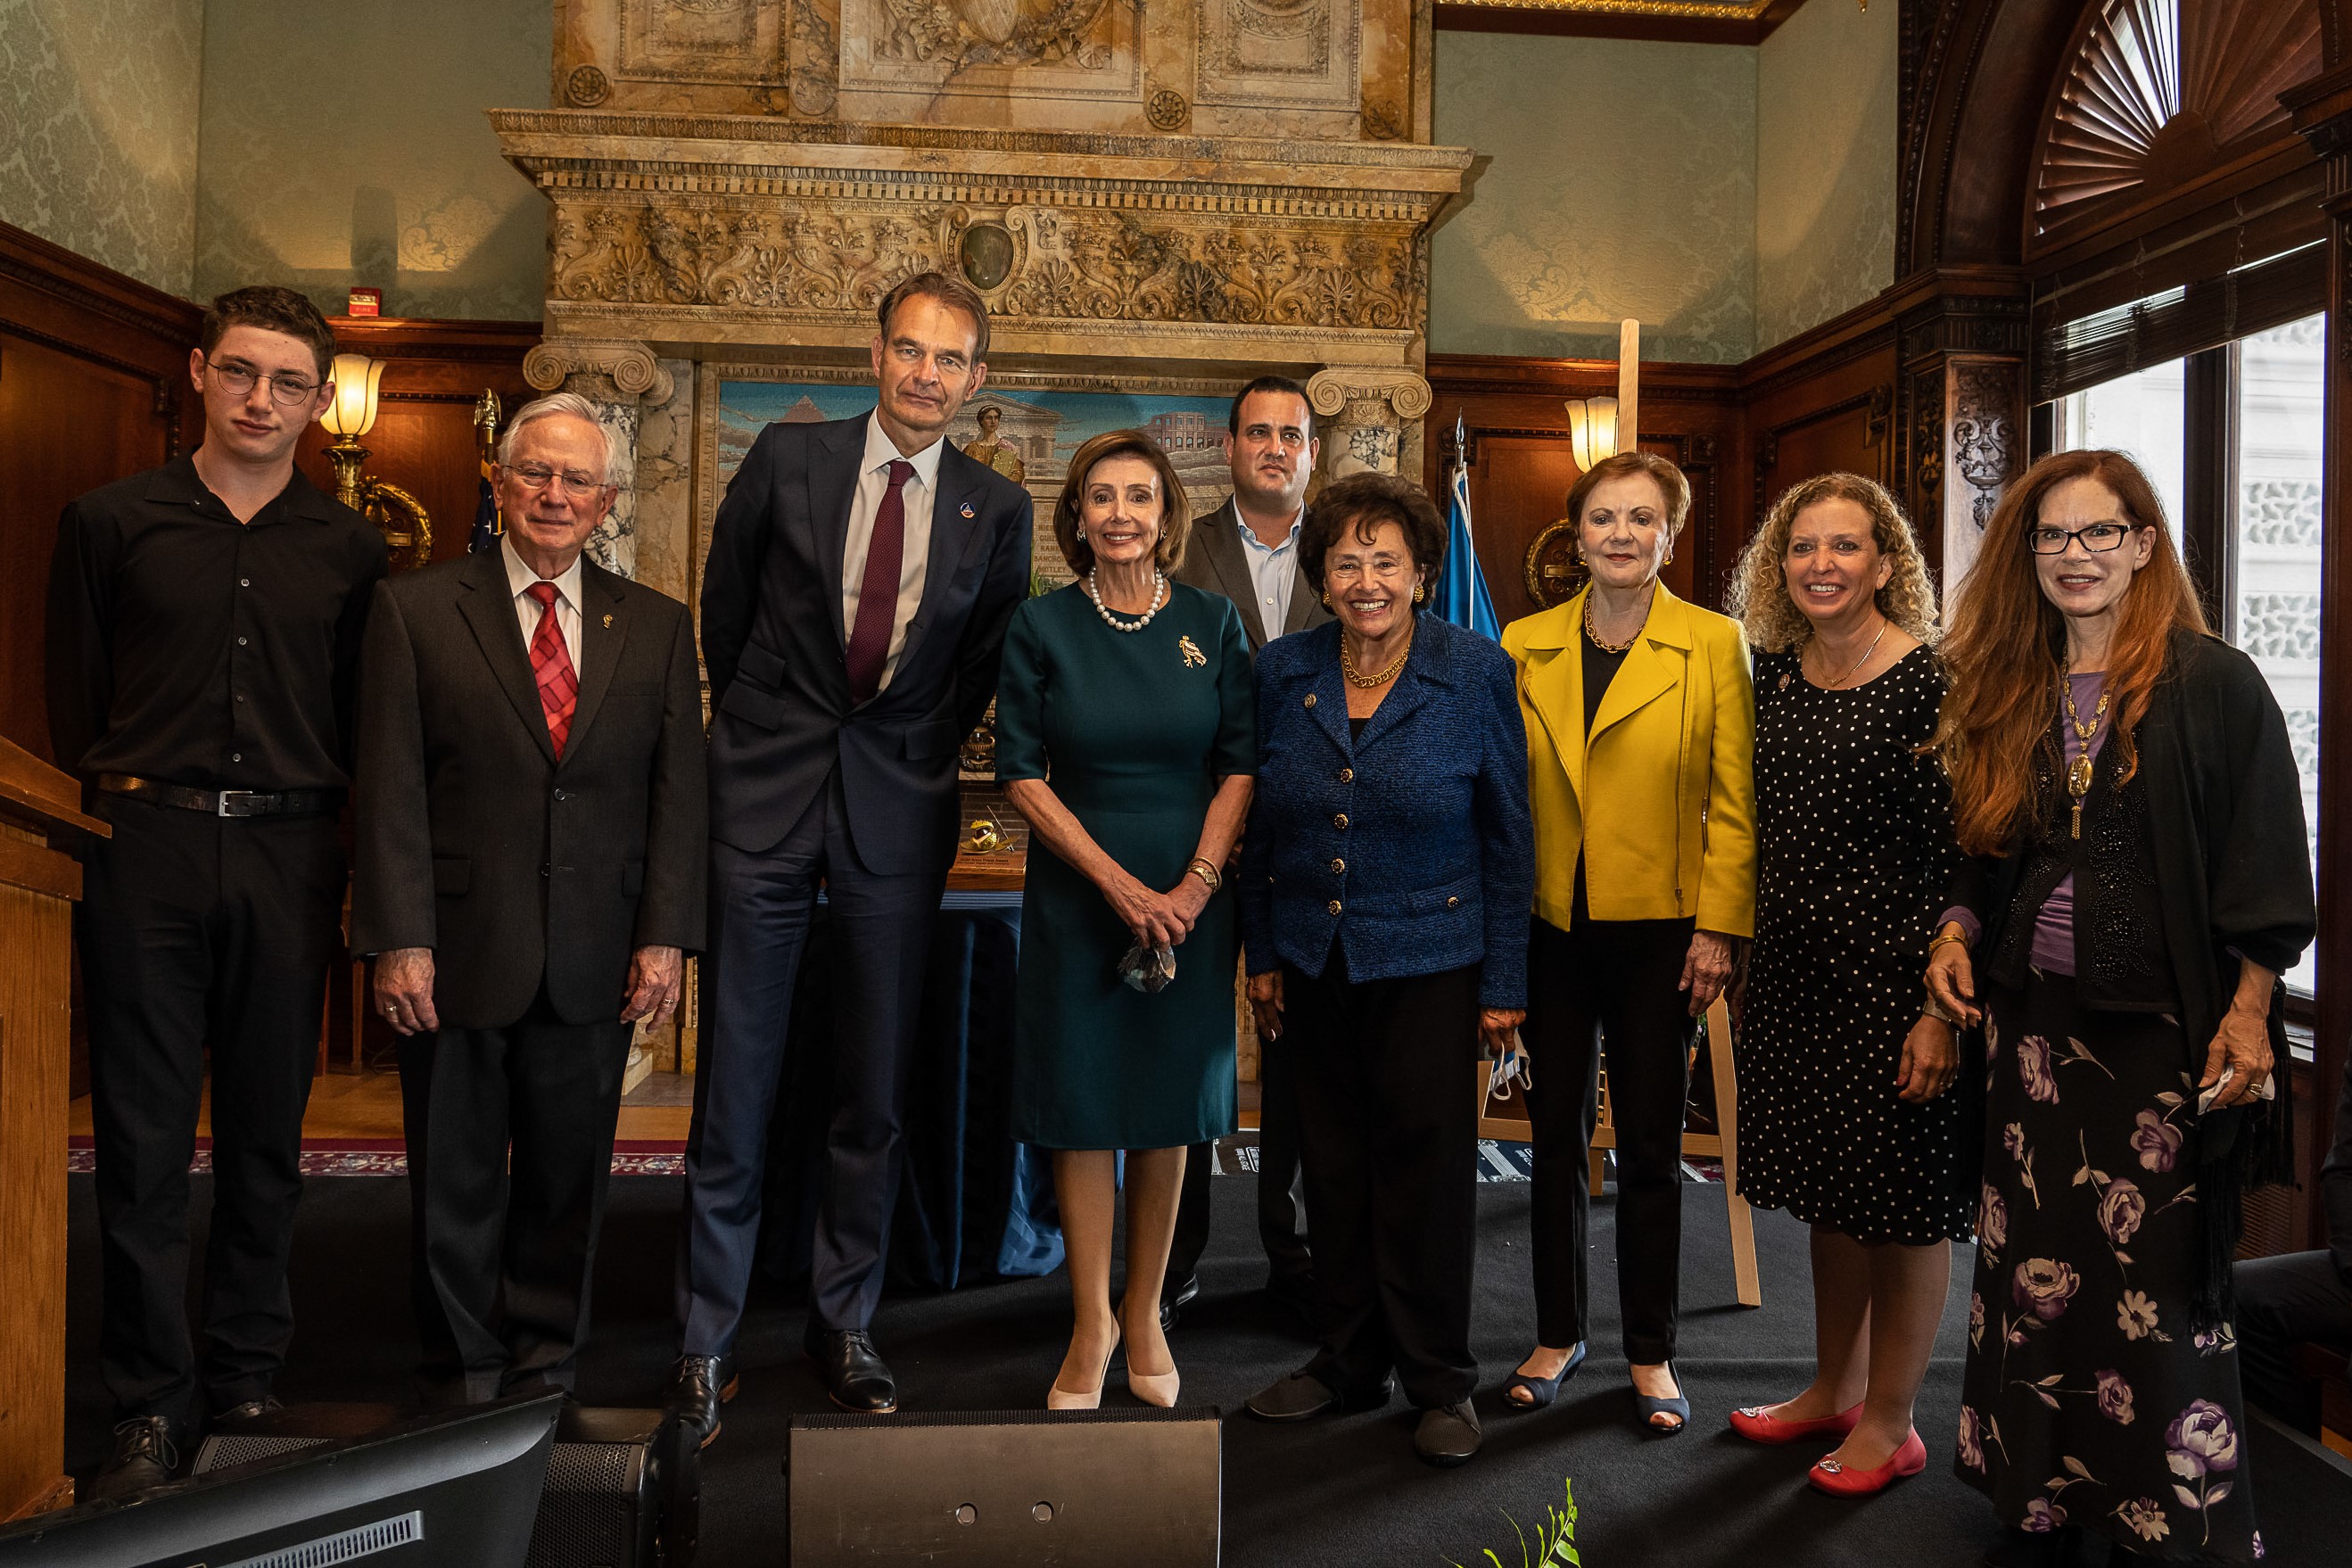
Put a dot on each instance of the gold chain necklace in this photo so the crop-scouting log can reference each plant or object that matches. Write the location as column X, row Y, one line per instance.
column 1347, row 668
column 1596, row 637
column 1854, row 668
column 2078, row 772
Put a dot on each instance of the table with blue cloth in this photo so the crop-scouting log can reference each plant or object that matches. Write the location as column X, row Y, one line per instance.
column 973, row 1205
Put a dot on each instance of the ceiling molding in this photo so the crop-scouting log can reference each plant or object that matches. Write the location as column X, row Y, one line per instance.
column 1666, row 21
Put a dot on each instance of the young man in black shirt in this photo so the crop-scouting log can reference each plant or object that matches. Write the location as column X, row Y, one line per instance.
column 204, row 635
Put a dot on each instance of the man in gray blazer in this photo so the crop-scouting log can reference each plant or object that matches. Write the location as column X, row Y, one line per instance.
column 530, row 830
column 1248, row 550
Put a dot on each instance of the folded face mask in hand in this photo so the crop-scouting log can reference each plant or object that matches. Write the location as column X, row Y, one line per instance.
column 1512, row 1064
column 1148, row 969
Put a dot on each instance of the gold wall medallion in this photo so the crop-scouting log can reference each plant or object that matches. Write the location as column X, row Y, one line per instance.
column 1192, row 651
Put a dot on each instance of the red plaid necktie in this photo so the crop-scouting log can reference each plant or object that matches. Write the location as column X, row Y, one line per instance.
column 878, row 589
column 551, row 665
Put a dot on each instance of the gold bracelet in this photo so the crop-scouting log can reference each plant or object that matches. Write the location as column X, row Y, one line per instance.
column 1207, row 873
column 1941, row 937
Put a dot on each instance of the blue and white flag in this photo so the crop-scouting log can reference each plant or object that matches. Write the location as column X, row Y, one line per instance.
column 1462, row 588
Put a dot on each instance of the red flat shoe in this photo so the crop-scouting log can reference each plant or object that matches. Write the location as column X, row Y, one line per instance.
column 1755, row 1423
column 1828, row 1476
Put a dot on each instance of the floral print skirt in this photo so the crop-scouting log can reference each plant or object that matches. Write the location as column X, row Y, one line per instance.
column 2087, row 1400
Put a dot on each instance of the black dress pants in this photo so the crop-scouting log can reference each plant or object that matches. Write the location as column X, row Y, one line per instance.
column 762, row 905
column 1616, row 979
column 510, row 1150
column 2282, row 1302
column 1389, row 1133
column 1280, row 1227
column 200, row 934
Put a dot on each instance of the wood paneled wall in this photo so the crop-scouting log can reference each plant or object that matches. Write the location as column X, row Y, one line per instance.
column 1742, row 433
column 93, row 385
column 424, row 435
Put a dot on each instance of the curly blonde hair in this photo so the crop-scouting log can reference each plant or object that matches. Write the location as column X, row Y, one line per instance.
column 1759, row 585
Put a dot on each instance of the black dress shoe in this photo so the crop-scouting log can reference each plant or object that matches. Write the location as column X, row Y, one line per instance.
column 1302, row 1396
column 1447, row 1435
column 1177, row 1296
column 855, row 1376
column 141, row 1455
column 699, row 1385
column 251, row 1410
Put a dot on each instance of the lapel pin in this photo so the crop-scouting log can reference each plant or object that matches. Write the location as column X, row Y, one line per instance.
column 1192, row 651
column 967, row 509
column 608, row 623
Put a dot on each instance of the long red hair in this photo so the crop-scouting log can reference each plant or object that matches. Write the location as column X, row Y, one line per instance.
column 2007, row 645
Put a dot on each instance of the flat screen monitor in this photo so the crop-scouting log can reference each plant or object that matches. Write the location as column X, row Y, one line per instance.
column 458, row 1491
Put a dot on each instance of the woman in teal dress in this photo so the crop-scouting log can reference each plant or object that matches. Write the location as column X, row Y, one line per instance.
column 1127, row 735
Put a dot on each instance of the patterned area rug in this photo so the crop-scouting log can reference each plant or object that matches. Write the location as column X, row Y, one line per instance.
column 1237, row 1155
column 389, row 1157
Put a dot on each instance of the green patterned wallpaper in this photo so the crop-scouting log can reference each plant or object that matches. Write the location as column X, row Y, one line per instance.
column 98, row 130
column 1825, row 136
column 1617, row 179
column 345, row 144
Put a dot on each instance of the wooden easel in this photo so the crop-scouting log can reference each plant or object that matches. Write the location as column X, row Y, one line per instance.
column 1722, row 1145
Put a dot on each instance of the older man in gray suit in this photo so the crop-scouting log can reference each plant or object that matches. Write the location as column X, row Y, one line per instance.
column 1248, row 550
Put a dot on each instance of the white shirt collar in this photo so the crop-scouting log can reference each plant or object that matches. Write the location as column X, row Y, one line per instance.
column 880, row 450
column 1249, row 534
column 520, row 575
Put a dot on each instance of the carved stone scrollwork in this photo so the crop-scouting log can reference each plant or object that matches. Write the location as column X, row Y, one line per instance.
column 1081, row 264
column 621, row 379
column 631, row 368
column 1367, row 410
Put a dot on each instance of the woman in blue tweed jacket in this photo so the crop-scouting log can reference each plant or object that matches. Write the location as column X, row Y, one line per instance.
column 1385, row 883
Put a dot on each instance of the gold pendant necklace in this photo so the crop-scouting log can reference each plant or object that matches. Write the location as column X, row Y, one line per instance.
column 2078, row 772
column 1347, row 668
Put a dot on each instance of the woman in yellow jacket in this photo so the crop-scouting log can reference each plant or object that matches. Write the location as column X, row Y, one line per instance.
column 1639, row 716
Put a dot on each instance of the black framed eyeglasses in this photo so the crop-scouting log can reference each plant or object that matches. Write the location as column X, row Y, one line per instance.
column 287, row 390
column 2096, row 536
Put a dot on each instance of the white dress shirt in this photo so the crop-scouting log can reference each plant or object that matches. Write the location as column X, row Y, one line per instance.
column 519, row 577
column 915, row 558
column 1274, row 571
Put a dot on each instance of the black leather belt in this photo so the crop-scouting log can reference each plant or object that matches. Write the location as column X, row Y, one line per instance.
column 225, row 801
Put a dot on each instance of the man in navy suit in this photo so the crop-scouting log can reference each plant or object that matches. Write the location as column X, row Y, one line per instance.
column 861, row 576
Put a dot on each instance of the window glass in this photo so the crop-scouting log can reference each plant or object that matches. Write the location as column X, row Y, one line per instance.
column 2276, row 617
column 2142, row 416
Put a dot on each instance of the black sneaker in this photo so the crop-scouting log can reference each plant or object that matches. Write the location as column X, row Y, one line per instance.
column 141, row 1456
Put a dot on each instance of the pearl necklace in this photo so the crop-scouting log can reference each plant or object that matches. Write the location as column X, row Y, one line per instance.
column 1159, row 599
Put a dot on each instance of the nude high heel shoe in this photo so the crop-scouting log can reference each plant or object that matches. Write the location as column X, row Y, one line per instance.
column 1060, row 1398
column 1154, row 1388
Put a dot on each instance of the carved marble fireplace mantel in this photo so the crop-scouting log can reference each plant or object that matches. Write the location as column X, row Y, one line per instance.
column 690, row 233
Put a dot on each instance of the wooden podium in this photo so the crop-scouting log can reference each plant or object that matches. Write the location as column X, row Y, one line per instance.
column 40, row 821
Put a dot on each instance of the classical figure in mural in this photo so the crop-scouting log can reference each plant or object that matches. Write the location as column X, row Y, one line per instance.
column 990, row 448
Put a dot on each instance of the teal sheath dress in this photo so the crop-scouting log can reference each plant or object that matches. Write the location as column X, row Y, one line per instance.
column 1133, row 730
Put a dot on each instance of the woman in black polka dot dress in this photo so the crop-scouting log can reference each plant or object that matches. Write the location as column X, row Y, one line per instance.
column 1844, row 1117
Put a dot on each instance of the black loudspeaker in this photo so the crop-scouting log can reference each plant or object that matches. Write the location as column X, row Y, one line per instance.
column 1141, row 1488
column 622, row 1491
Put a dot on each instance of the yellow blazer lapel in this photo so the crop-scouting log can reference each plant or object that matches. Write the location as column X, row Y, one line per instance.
column 1653, row 666
column 1555, row 688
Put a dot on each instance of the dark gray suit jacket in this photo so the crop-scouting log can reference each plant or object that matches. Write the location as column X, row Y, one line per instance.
column 473, row 841
column 1215, row 559
column 777, row 653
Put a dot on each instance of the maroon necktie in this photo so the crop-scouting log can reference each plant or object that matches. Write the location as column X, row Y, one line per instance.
column 551, row 665
column 877, row 590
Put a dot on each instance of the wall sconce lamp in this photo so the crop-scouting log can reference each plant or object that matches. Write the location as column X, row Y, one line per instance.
column 1591, row 430
column 407, row 528
column 1595, row 424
